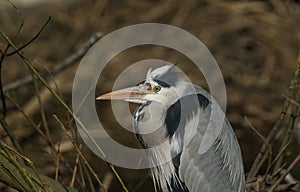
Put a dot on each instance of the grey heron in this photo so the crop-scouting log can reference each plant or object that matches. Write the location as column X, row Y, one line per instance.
column 183, row 118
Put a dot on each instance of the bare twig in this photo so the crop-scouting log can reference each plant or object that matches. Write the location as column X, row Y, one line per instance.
column 42, row 111
column 3, row 55
column 75, row 168
column 27, row 177
column 292, row 101
column 291, row 166
column 258, row 133
column 52, row 91
column 28, row 162
column 78, row 150
column 281, row 152
column 10, row 134
column 287, row 133
column 260, row 158
column 21, row 16
column 108, row 177
column 40, row 132
column 266, row 142
column 23, row 178
column 286, row 187
column 31, row 40
column 89, row 179
column 57, row 162
column 82, row 176
column 29, row 119
column 71, row 60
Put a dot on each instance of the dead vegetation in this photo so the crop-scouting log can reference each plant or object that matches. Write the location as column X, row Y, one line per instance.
column 256, row 44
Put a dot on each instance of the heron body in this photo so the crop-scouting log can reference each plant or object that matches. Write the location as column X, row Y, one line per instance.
column 171, row 122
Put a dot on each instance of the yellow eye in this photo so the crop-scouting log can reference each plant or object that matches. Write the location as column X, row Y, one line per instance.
column 156, row 89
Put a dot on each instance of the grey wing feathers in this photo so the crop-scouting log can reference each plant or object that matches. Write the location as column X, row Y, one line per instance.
column 220, row 168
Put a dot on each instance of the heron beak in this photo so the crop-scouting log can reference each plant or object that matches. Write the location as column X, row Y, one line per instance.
column 134, row 94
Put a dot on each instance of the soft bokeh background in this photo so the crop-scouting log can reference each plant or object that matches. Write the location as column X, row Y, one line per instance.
column 254, row 42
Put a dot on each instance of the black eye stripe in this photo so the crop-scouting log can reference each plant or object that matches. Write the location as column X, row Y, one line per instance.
column 161, row 83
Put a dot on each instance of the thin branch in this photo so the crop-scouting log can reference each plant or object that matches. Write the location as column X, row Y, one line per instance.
column 25, row 175
column 69, row 61
column 75, row 168
column 261, row 156
column 83, row 184
column 281, row 152
column 89, row 179
column 69, row 110
column 78, row 150
column 10, row 134
column 292, row 101
column 107, row 180
column 291, row 166
column 22, row 21
column 287, row 133
column 265, row 141
column 52, row 91
column 258, row 133
column 28, row 119
column 3, row 55
column 23, row 178
column 42, row 111
column 57, row 162
column 37, row 128
column 30, row 41
column 30, row 163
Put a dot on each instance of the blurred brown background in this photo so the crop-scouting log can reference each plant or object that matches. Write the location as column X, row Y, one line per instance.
column 255, row 43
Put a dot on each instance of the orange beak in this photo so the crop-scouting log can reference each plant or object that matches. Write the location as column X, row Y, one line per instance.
column 131, row 94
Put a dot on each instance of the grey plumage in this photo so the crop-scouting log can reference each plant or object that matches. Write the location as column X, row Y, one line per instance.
column 190, row 144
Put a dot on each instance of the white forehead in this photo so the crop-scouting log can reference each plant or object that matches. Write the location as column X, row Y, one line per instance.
column 157, row 72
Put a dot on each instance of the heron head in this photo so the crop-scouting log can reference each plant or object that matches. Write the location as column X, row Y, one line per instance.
column 161, row 85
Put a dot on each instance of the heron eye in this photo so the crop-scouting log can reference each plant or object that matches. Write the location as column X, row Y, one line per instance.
column 156, row 89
